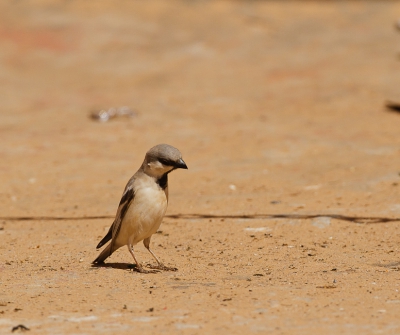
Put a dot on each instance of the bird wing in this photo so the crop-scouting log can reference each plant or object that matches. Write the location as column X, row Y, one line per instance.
column 126, row 200
column 106, row 238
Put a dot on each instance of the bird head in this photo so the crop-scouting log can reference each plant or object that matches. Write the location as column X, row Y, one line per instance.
column 162, row 159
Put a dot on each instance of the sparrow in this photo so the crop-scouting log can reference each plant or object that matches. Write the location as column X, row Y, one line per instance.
column 143, row 205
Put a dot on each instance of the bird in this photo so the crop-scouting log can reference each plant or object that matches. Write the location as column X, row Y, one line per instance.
column 143, row 206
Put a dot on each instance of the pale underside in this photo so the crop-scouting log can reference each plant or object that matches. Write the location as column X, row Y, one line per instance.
column 143, row 217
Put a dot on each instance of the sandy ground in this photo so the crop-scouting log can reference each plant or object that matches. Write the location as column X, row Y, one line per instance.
column 285, row 222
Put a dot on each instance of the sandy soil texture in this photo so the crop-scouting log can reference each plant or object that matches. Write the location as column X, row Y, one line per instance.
column 288, row 219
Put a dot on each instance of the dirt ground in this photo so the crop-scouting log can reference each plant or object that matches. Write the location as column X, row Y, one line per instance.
column 285, row 222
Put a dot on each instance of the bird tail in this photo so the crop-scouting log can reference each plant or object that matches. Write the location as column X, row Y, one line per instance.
column 103, row 255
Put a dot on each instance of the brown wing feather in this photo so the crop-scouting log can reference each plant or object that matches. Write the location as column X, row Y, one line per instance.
column 126, row 200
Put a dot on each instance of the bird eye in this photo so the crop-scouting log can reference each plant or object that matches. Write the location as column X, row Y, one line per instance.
column 165, row 162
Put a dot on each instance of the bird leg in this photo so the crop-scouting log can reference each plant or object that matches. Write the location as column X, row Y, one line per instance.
column 160, row 265
column 138, row 267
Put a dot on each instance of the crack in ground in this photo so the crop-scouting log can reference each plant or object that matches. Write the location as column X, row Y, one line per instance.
column 356, row 219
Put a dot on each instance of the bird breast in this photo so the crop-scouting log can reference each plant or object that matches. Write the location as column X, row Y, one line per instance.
column 144, row 215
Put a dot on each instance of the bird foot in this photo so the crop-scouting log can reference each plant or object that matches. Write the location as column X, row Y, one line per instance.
column 140, row 269
column 161, row 266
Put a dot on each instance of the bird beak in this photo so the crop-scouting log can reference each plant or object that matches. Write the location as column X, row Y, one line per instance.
column 181, row 164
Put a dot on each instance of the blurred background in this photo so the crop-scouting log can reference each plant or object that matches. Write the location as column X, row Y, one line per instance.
column 277, row 106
